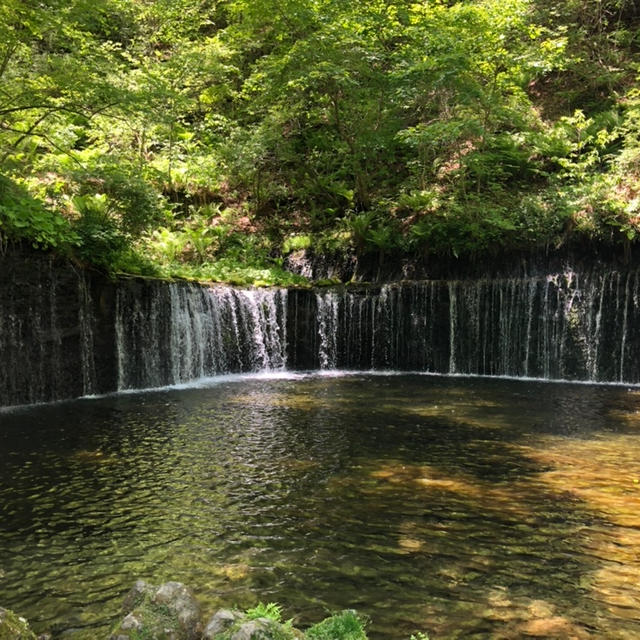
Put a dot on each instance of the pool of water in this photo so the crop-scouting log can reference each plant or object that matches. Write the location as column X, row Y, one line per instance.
column 465, row 508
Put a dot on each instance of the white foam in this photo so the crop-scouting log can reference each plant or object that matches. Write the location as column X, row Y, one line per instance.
column 209, row 382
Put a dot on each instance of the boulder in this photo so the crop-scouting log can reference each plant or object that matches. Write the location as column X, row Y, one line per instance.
column 220, row 622
column 258, row 629
column 229, row 624
column 137, row 595
column 180, row 600
column 167, row 612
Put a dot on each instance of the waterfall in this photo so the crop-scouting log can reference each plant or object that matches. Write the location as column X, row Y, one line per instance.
column 87, row 348
column 453, row 334
column 66, row 333
column 557, row 326
column 169, row 333
column 327, row 302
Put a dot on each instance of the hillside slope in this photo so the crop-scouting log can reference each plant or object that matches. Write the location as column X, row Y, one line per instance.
column 210, row 139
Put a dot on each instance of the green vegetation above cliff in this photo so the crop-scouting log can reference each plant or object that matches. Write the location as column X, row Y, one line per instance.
column 208, row 138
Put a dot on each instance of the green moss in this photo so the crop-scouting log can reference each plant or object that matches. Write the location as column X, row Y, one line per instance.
column 158, row 617
column 296, row 243
column 327, row 282
column 157, row 620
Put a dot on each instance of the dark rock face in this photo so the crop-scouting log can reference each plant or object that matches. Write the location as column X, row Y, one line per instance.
column 395, row 267
column 56, row 329
column 572, row 325
column 67, row 332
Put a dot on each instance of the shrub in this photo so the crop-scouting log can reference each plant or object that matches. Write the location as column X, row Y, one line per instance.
column 347, row 625
column 25, row 217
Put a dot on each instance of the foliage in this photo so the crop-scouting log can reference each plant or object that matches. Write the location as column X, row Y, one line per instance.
column 347, row 625
column 201, row 251
column 297, row 243
column 13, row 627
column 24, row 217
column 208, row 139
column 271, row 610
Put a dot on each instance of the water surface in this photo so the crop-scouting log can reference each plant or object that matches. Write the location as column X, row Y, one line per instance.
column 466, row 508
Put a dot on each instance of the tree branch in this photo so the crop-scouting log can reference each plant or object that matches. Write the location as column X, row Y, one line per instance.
column 6, row 58
column 26, row 134
column 44, row 136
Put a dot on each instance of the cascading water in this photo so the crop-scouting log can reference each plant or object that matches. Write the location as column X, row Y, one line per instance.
column 66, row 333
column 87, row 350
column 176, row 332
column 560, row 326
column 327, row 328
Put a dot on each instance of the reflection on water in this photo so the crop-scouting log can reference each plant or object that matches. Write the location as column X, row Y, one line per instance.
column 464, row 508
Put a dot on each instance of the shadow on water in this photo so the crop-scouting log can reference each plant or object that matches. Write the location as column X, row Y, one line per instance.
column 465, row 508
column 493, row 546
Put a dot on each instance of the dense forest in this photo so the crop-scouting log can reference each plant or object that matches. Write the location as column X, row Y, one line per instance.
column 209, row 139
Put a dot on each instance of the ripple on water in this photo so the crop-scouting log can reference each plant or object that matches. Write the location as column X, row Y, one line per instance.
column 462, row 507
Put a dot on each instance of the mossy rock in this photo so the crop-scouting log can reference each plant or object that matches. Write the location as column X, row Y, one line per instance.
column 235, row 625
column 13, row 627
column 168, row 612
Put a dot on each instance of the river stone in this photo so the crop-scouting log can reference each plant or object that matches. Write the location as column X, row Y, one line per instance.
column 220, row 622
column 259, row 629
column 182, row 603
column 136, row 596
column 132, row 622
column 13, row 627
column 129, row 627
column 167, row 612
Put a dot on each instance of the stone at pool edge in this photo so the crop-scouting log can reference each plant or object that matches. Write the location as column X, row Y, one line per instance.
column 167, row 612
column 258, row 629
column 180, row 599
column 244, row 629
column 220, row 622
column 136, row 595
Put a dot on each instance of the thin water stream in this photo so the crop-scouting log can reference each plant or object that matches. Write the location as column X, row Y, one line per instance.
column 466, row 508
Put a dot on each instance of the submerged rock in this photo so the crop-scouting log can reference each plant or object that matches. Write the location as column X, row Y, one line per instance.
column 167, row 612
column 13, row 627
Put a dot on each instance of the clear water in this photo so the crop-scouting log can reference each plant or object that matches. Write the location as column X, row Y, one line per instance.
column 467, row 508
